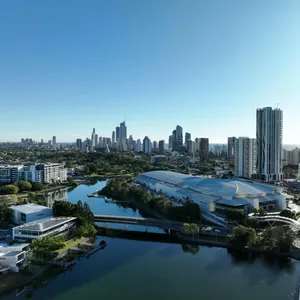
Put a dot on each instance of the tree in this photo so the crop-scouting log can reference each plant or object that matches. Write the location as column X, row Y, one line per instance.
column 243, row 236
column 262, row 212
column 24, row 186
column 190, row 229
column 287, row 213
column 279, row 238
column 10, row 189
column 5, row 213
column 37, row 186
column 235, row 214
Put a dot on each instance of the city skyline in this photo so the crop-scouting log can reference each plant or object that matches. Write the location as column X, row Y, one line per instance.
column 209, row 72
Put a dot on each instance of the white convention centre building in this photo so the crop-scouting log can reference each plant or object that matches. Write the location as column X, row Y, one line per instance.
column 215, row 194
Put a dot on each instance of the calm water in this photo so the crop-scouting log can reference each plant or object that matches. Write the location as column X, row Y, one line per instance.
column 144, row 270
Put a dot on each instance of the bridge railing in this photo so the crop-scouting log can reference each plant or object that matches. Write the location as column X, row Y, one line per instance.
column 273, row 217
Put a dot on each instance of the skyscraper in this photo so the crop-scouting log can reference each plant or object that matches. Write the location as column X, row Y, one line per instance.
column 170, row 145
column 154, row 145
column 161, row 146
column 113, row 138
column 96, row 140
column 179, row 138
column 187, row 137
column 147, row 145
column 174, row 146
column 79, row 143
column 204, row 146
column 54, row 141
column 245, row 157
column 231, row 147
column 189, row 146
column 117, row 134
column 123, row 136
column 138, row 146
column 93, row 138
column 269, row 144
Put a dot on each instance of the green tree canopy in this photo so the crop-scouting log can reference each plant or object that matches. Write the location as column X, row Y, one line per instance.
column 24, row 186
column 37, row 186
column 10, row 189
column 5, row 213
column 243, row 236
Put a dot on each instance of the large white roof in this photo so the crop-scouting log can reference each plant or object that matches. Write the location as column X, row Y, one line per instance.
column 225, row 188
column 29, row 208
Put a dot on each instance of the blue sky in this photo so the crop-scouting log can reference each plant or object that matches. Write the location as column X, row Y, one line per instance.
column 69, row 66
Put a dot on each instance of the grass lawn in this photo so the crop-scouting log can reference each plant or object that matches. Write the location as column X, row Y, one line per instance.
column 70, row 244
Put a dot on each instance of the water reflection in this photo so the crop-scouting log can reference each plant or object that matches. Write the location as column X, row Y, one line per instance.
column 58, row 195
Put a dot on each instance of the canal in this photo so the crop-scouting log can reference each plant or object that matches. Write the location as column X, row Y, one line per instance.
column 145, row 270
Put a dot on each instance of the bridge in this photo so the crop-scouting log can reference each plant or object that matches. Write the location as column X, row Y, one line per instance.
column 274, row 217
column 163, row 224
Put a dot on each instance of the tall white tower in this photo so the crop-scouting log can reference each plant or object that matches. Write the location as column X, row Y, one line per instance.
column 245, row 157
column 269, row 144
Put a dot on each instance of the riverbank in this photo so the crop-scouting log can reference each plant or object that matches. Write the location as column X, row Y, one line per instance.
column 14, row 281
column 14, row 198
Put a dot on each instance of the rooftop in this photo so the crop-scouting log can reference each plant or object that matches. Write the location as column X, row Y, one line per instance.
column 29, row 208
column 13, row 253
column 215, row 187
column 44, row 224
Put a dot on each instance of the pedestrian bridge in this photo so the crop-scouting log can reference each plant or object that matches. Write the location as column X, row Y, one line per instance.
column 274, row 217
column 163, row 224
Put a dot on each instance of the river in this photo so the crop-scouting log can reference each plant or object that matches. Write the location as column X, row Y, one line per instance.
column 146, row 270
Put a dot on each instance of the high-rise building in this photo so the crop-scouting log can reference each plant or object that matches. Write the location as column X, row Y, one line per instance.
column 93, row 138
column 189, row 146
column 269, row 144
column 174, row 146
column 96, row 140
column 292, row 157
column 147, row 145
column 179, row 138
column 161, row 146
column 54, row 141
column 79, row 143
column 117, row 134
column 245, row 157
column 138, row 146
column 154, row 145
column 123, row 136
column 113, row 138
column 130, row 143
column 197, row 144
column 204, row 149
column 231, row 147
column 187, row 138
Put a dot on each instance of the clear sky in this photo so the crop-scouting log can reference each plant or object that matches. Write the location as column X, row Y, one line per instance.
column 69, row 66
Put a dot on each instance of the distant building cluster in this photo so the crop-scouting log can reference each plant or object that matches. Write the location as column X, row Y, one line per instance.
column 43, row 173
column 257, row 157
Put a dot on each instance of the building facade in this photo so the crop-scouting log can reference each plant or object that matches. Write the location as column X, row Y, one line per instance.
column 43, row 173
column 292, row 157
column 245, row 157
column 147, row 145
column 29, row 212
column 204, row 150
column 231, row 148
column 269, row 144
column 161, row 146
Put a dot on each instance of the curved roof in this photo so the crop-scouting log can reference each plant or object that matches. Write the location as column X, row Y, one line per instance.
column 226, row 188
